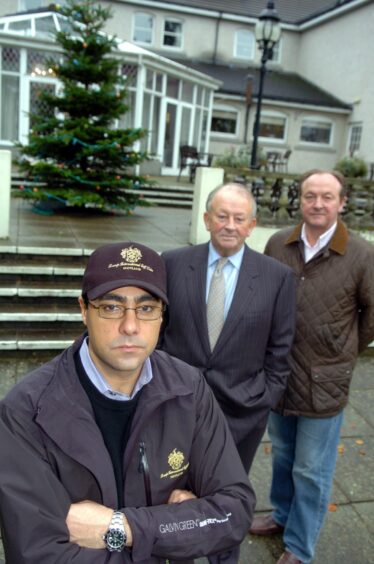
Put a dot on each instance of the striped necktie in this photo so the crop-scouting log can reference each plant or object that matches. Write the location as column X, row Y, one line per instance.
column 216, row 302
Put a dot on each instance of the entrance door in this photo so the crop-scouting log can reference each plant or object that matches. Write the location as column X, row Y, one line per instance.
column 171, row 114
column 176, row 121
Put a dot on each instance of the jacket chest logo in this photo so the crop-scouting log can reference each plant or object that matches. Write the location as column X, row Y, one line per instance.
column 176, row 462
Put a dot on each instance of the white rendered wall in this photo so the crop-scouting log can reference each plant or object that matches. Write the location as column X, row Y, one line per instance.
column 337, row 56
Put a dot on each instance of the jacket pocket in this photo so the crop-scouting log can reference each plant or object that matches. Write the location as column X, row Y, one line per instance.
column 330, row 386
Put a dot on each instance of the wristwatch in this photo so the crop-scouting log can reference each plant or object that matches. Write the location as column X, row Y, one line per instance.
column 115, row 537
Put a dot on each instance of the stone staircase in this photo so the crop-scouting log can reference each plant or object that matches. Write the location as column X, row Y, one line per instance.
column 39, row 290
column 38, row 298
column 166, row 191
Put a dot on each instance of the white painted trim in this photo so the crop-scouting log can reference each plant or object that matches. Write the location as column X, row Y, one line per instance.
column 296, row 105
column 221, row 134
column 235, row 53
column 333, row 14
column 316, row 118
column 246, row 19
column 143, row 43
column 274, row 113
column 173, row 47
column 351, row 125
column 188, row 10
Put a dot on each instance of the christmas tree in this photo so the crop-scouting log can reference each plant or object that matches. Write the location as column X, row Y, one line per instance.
column 74, row 150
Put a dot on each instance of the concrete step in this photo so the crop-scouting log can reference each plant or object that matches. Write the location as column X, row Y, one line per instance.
column 56, row 255
column 38, row 297
column 37, row 341
column 27, row 290
column 26, row 317
column 174, row 195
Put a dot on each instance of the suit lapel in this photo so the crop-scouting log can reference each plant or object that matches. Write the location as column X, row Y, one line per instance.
column 196, row 291
column 245, row 291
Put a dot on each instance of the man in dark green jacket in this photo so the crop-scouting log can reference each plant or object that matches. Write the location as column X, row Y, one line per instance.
column 114, row 453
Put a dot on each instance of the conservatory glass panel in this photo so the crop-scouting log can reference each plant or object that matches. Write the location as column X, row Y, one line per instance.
column 9, row 108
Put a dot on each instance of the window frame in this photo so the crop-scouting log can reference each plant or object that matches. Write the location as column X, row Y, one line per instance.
column 237, row 55
column 352, row 126
column 135, row 27
column 317, row 119
column 225, row 109
column 276, row 140
column 173, row 47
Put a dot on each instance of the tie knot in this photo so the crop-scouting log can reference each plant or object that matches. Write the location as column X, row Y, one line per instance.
column 220, row 265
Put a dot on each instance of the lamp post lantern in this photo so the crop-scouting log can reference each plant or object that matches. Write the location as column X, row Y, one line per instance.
column 267, row 32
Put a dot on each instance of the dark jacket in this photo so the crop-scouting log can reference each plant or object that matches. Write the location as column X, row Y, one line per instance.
column 248, row 367
column 335, row 318
column 53, row 454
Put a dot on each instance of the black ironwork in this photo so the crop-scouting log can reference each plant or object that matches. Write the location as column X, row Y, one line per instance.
column 267, row 34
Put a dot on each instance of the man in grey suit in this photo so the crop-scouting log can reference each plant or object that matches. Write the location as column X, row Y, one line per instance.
column 245, row 363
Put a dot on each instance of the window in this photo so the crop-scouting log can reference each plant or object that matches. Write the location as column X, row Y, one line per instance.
column 20, row 26
column 244, row 44
column 224, row 121
column 316, row 131
column 354, row 142
column 9, row 94
column 143, row 28
column 273, row 126
column 173, row 34
column 45, row 26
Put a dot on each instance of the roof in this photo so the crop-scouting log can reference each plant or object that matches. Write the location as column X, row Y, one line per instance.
column 278, row 86
column 290, row 11
column 56, row 21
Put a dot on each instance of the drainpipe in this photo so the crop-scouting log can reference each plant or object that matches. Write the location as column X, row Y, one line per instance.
column 248, row 103
column 214, row 60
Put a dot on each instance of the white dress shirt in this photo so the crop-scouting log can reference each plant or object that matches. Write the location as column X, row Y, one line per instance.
column 311, row 250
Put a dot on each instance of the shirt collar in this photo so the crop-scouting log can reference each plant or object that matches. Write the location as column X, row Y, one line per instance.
column 235, row 259
column 322, row 240
column 102, row 385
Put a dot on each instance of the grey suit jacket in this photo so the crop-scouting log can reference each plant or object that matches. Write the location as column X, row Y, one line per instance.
column 248, row 367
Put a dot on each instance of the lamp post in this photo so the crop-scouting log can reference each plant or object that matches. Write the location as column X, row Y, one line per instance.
column 267, row 34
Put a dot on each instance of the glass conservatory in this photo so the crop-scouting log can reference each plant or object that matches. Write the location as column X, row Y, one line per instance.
column 171, row 101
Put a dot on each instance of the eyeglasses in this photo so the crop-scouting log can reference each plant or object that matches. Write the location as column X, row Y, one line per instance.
column 143, row 312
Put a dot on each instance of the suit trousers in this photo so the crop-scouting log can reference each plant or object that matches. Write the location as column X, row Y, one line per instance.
column 248, row 448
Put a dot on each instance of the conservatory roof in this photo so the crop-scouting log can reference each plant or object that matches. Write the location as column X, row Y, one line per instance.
column 42, row 24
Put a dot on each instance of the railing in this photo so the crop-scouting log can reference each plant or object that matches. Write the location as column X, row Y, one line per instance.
column 277, row 197
column 276, row 193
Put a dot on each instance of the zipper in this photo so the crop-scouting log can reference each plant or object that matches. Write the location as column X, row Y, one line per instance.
column 144, row 469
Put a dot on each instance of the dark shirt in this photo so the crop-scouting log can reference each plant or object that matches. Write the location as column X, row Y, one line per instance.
column 114, row 420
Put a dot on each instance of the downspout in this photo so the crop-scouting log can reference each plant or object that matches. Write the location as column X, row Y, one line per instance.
column 214, row 59
column 248, row 103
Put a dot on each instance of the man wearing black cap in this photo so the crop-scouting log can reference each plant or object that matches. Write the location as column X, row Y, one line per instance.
column 114, row 452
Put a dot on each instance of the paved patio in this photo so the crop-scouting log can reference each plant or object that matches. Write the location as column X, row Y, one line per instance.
column 160, row 227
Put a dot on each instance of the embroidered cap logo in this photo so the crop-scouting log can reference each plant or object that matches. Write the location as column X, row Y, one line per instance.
column 131, row 254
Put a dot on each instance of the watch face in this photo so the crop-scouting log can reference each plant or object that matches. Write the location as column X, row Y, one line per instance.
column 115, row 539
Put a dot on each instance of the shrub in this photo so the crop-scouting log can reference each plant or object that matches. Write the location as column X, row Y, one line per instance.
column 352, row 167
column 240, row 158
